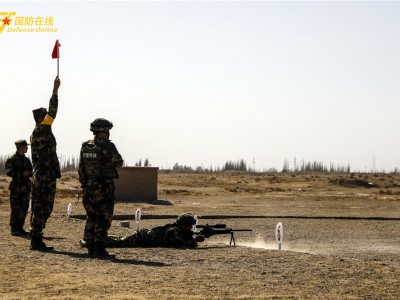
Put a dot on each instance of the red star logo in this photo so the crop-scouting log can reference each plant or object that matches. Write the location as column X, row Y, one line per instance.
column 6, row 21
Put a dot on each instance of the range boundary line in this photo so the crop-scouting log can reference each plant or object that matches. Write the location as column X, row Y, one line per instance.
column 213, row 217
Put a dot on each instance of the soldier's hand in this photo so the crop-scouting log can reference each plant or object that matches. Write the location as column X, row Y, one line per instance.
column 199, row 238
column 57, row 83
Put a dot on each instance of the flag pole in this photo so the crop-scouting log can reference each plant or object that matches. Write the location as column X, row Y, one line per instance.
column 56, row 54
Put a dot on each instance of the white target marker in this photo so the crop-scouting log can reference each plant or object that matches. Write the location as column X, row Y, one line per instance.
column 279, row 234
column 69, row 210
column 138, row 216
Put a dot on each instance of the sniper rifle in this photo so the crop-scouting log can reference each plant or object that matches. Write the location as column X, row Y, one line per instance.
column 209, row 230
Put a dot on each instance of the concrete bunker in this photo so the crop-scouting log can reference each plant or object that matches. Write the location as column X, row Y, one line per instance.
column 136, row 184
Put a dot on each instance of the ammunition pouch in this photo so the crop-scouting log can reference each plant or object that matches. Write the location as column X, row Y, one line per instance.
column 108, row 171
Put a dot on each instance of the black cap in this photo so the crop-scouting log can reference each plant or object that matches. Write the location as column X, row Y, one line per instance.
column 39, row 113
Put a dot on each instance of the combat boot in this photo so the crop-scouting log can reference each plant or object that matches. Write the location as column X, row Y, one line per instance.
column 19, row 232
column 100, row 252
column 89, row 244
column 38, row 244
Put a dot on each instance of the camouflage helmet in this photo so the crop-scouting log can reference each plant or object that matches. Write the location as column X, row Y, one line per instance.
column 101, row 125
column 186, row 219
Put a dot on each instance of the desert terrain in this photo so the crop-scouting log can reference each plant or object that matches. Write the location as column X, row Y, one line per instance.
column 340, row 241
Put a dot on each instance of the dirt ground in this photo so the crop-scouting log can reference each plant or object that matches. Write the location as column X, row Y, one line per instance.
column 341, row 241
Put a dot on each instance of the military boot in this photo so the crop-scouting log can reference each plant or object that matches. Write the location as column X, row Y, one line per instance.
column 19, row 232
column 100, row 252
column 38, row 244
column 89, row 245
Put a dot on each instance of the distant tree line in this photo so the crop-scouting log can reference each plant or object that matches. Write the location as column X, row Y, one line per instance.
column 71, row 163
column 3, row 159
column 239, row 165
column 314, row 166
column 67, row 163
column 146, row 163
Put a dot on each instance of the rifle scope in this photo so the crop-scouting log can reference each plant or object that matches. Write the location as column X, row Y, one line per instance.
column 211, row 226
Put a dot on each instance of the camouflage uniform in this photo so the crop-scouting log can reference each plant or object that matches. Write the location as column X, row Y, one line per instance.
column 99, row 159
column 170, row 235
column 20, row 188
column 46, row 166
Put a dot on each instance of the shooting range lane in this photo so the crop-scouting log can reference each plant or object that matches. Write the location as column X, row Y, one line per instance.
column 332, row 248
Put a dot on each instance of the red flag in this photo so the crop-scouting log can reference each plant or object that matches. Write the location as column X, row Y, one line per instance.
column 56, row 50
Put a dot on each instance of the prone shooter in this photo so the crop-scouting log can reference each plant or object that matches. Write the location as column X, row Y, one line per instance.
column 180, row 234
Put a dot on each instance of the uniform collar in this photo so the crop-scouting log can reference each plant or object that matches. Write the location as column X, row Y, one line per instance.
column 100, row 140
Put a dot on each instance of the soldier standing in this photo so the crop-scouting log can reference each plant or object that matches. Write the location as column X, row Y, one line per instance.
column 46, row 169
column 19, row 167
column 99, row 159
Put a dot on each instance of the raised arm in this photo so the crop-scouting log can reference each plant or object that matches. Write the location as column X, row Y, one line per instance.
column 57, row 83
column 53, row 106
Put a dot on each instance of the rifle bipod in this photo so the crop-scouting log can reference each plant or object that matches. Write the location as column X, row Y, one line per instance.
column 232, row 239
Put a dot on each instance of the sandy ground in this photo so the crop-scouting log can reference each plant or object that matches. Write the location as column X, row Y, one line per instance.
column 340, row 242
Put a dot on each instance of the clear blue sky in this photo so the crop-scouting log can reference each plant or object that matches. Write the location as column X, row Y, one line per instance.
column 201, row 83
